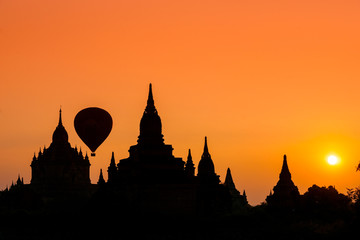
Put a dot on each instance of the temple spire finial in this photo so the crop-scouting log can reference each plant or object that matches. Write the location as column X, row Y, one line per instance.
column 285, row 172
column 206, row 150
column 206, row 166
column 285, row 165
column 229, row 180
column 150, row 106
column 189, row 166
column 101, row 180
column 60, row 120
column 150, row 124
column 150, row 101
column 112, row 161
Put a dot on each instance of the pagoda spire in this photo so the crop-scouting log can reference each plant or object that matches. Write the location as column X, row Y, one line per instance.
column 206, row 166
column 150, row 124
column 60, row 119
column 150, row 107
column 206, row 150
column 81, row 154
column 101, row 178
column 189, row 166
column 245, row 197
column 285, row 173
column 86, row 157
column 112, row 169
column 60, row 135
column 229, row 183
column 229, row 180
column 189, row 158
column 112, row 161
column 150, row 100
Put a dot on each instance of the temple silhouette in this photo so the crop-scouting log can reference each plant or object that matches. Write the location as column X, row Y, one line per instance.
column 152, row 193
column 60, row 169
column 286, row 194
column 150, row 180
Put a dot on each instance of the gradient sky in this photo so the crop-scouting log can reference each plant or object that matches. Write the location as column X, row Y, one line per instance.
column 260, row 78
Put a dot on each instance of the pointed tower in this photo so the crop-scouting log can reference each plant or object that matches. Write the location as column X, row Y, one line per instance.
column 81, row 153
column 285, row 182
column 112, row 170
column 150, row 124
column 101, row 180
column 151, row 160
column 189, row 166
column 40, row 154
column 238, row 200
column 60, row 136
column 285, row 192
column 285, row 175
column 245, row 197
column 206, row 165
column 19, row 181
column 229, row 183
column 206, row 169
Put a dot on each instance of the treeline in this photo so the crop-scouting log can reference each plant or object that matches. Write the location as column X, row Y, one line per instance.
column 319, row 213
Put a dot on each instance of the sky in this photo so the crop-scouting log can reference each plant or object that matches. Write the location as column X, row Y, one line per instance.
column 259, row 78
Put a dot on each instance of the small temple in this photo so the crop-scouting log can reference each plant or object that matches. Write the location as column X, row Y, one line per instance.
column 285, row 194
column 150, row 160
column 238, row 200
column 152, row 168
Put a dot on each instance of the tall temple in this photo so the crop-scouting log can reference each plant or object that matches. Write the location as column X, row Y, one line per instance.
column 60, row 169
column 152, row 178
column 286, row 194
column 151, row 160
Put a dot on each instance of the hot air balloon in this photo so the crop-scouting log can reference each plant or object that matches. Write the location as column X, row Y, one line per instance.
column 93, row 125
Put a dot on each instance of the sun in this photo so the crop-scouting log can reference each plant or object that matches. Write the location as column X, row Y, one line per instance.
column 332, row 160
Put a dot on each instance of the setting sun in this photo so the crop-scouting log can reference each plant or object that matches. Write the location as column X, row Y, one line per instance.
column 332, row 160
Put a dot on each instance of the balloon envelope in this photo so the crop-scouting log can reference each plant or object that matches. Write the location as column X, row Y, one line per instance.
column 93, row 125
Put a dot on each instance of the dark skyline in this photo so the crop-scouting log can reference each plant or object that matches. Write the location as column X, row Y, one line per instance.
column 153, row 194
column 261, row 79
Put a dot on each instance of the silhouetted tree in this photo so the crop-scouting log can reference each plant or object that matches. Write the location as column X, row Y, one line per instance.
column 354, row 195
column 325, row 201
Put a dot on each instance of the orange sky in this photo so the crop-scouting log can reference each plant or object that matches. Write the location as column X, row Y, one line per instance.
column 259, row 78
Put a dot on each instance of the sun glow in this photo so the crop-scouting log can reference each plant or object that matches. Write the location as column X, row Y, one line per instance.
column 332, row 160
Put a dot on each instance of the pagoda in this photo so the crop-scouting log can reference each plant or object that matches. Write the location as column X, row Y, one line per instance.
column 285, row 194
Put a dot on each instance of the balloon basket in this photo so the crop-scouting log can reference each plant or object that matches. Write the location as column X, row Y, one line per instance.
column 93, row 154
